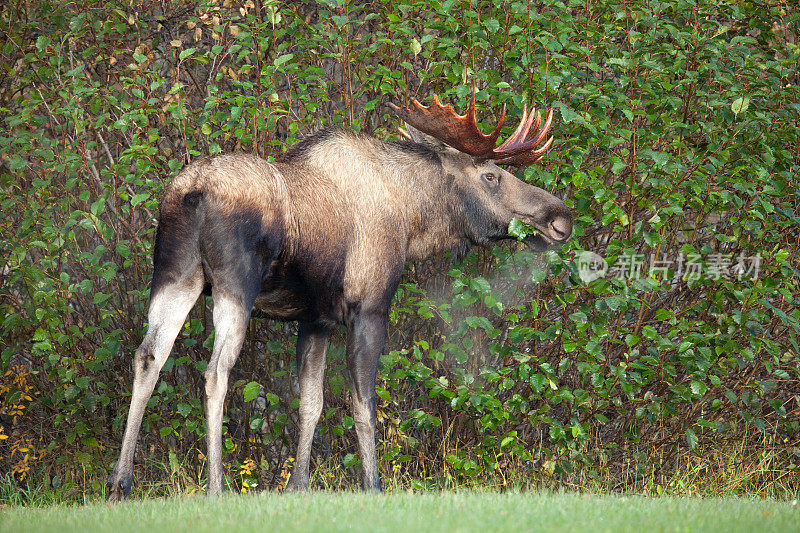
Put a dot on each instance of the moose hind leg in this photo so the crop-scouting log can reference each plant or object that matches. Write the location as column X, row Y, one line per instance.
column 365, row 340
column 166, row 315
column 312, row 345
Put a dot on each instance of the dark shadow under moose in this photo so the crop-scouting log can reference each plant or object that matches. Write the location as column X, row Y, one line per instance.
column 321, row 236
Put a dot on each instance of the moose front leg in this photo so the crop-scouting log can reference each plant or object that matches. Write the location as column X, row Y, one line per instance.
column 365, row 340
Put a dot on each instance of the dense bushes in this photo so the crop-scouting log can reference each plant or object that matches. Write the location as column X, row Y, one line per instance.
column 676, row 145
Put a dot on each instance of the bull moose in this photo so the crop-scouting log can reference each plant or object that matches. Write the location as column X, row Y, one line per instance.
column 321, row 236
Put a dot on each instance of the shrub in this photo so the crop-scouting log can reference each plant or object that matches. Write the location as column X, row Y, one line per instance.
column 677, row 148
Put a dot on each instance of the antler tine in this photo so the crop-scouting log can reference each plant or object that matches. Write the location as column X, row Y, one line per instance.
column 519, row 144
column 459, row 131
column 542, row 132
column 522, row 130
column 524, row 159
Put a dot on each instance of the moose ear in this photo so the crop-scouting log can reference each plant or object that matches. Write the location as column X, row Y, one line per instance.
column 413, row 134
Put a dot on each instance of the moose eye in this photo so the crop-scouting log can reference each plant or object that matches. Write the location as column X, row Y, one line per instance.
column 488, row 176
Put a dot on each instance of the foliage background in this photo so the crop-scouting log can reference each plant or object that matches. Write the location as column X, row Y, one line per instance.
column 676, row 133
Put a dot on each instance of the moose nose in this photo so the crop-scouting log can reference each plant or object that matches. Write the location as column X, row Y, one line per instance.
column 561, row 228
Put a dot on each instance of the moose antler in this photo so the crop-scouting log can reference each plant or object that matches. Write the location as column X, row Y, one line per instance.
column 442, row 122
column 462, row 133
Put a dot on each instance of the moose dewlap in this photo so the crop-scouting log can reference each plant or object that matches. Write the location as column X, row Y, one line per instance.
column 321, row 236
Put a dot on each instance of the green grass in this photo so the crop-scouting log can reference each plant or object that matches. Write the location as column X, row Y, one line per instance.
column 324, row 511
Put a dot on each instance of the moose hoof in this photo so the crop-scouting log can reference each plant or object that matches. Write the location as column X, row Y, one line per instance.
column 118, row 490
column 372, row 489
column 295, row 484
column 373, row 486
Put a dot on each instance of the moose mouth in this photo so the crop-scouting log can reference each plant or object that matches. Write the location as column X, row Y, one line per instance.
column 537, row 242
column 544, row 238
column 538, row 237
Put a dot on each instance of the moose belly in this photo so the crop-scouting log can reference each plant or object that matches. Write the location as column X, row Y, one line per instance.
column 284, row 304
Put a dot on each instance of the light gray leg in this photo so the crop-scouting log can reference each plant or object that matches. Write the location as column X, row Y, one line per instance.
column 312, row 345
column 365, row 340
column 166, row 315
column 364, row 417
column 230, row 326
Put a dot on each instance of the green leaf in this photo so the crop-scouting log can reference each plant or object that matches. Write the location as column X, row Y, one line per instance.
column 628, row 114
column 186, row 53
column 251, row 391
column 664, row 314
column 174, row 464
column 579, row 317
column 567, row 114
column 740, row 105
column 480, row 284
column 479, row 322
column 272, row 398
column 98, row 206
column 660, row 158
column 520, row 230
column 699, row 388
column 617, row 165
column 691, row 438
column 139, row 198
column 539, row 382
column 347, row 422
column 649, row 332
column 281, row 59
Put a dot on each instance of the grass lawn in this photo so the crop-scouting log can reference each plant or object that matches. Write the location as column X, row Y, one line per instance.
column 459, row 511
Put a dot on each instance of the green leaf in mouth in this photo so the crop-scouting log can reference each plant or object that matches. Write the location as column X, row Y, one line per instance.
column 520, row 230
